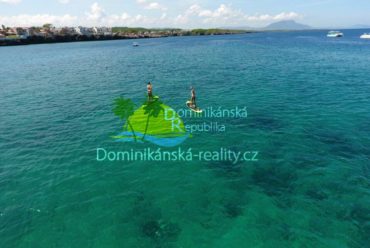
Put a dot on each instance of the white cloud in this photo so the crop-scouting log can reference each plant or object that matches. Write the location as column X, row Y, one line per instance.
column 116, row 20
column 10, row 1
column 95, row 16
column 64, row 1
column 123, row 19
column 128, row 20
column 96, row 12
column 222, row 14
column 38, row 20
column 98, row 16
column 226, row 15
column 287, row 16
column 192, row 17
column 278, row 17
column 194, row 9
column 182, row 19
column 151, row 5
column 163, row 16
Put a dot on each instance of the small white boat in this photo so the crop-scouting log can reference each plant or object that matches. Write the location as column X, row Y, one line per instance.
column 135, row 44
column 334, row 34
column 365, row 36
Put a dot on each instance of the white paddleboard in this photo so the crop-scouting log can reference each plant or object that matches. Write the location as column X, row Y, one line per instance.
column 196, row 110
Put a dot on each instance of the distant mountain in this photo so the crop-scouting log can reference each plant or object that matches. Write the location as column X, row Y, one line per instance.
column 287, row 25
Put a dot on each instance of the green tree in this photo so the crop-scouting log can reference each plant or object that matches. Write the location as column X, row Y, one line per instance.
column 47, row 26
column 124, row 108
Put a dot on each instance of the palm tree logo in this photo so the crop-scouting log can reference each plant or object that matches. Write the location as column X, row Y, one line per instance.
column 148, row 123
column 124, row 108
column 152, row 109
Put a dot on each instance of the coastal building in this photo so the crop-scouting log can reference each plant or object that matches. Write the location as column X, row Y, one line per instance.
column 22, row 33
column 29, row 31
column 32, row 31
column 61, row 31
column 102, row 31
column 10, row 32
column 67, row 31
column 83, row 31
column 55, row 31
column 42, row 33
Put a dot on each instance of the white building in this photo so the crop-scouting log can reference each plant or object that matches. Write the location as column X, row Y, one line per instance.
column 102, row 31
column 83, row 31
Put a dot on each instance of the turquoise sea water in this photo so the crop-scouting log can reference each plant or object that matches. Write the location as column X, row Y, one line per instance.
column 308, row 102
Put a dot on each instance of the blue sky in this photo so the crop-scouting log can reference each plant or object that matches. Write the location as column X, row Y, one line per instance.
column 183, row 14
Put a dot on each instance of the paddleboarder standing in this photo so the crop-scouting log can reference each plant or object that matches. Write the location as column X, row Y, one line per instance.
column 193, row 103
column 149, row 88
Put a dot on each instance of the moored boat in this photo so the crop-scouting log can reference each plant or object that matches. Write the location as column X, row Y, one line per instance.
column 334, row 34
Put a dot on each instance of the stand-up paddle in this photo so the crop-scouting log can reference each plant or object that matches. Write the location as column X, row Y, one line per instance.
column 154, row 99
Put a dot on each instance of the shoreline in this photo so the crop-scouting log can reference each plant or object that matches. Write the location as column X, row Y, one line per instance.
column 35, row 40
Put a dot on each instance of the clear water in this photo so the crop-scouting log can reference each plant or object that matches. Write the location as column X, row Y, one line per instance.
column 308, row 101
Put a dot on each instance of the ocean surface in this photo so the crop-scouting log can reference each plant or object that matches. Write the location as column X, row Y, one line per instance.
column 308, row 104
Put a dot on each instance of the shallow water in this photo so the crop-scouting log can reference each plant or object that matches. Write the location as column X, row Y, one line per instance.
column 308, row 102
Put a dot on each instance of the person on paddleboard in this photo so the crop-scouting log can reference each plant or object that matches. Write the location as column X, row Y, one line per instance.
column 193, row 103
column 149, row 88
